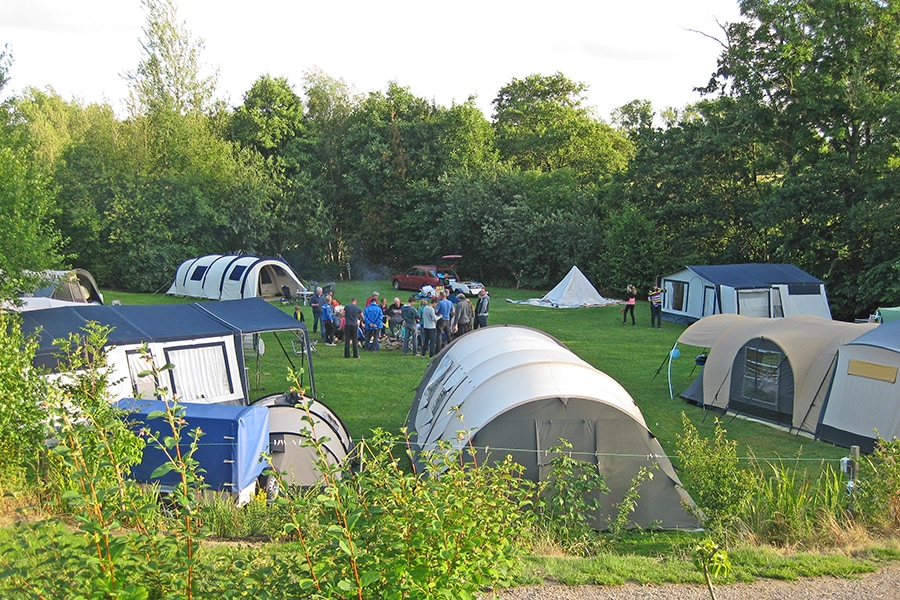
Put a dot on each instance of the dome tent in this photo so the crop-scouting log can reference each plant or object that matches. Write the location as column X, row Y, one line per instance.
column 519, row 391
column 229, row 277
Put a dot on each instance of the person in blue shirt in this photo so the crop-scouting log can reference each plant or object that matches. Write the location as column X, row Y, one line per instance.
column 445, row 311
column 373, row 318
column 327, row 318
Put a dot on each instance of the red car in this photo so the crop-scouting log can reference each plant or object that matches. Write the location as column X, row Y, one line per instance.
column 442, row 274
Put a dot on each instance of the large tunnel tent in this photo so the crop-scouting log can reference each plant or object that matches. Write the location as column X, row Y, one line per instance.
column 778, row 370
column 519, row 391
column 227, row 277
column 291, row 425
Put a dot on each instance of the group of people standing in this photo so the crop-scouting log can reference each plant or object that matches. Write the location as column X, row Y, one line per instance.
column 654, row 297
column 436, row 321
column 441, row 318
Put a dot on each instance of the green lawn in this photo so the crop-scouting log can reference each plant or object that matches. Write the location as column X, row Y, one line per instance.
column 377, row 390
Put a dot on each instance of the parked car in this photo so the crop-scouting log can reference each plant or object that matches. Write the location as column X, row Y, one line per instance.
column 440, row 275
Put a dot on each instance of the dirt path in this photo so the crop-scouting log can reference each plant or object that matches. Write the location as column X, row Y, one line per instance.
column 883, row 585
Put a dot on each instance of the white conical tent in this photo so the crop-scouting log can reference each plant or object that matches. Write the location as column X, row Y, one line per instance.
column 516, row 390
column 573, row 291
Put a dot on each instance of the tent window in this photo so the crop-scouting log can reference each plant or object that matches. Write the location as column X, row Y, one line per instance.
column 679, row 295
column 753, row 303
column 198, row 273
column 237, row 272
column 265, row 276
column 761, row 374
column 803, row 289
column 200, row 373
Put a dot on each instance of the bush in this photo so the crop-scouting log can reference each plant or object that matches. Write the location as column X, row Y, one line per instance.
column 878, row 491
column 23, row 412
column 714, row 478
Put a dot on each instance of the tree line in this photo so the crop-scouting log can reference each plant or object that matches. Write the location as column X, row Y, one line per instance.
column 792, row 154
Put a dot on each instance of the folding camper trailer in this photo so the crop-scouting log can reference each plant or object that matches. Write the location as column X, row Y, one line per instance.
column 212, row 347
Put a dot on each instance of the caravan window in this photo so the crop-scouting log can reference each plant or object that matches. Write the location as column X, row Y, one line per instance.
column 198, row 273
column 200, row 373
column 143, row 383
column 753, row 303
column 237, row 273
column 777, row 306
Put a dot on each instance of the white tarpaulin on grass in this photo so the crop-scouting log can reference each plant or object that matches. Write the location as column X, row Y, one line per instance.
column 574, row 291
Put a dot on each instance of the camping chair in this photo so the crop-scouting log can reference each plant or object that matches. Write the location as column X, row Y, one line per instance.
column 299, row 347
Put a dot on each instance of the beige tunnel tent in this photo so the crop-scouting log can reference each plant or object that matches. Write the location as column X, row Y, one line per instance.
column 778, row 370
column 518, row 391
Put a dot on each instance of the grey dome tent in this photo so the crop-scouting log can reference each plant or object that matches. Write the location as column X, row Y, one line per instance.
column 519, row 391
column 291, row 425
column 227, row 277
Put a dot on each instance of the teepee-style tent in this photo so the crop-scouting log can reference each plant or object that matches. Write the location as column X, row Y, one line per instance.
column 516, row 390
column 573, row 291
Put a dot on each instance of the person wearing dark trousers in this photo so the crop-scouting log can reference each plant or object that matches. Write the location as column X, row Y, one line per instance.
column 429, row 327
column 352, row 313
column 630, row 300
column 481, row 309
column 656, row 299
column 315, row 301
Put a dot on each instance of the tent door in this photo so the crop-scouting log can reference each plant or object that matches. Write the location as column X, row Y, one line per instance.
column 578, row 432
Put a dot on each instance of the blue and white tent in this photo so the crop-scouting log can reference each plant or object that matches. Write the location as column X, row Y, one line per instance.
column 228, row 277
column 207, row 342
column 753, row 290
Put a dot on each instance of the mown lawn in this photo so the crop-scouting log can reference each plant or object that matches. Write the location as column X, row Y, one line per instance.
column 377, row 390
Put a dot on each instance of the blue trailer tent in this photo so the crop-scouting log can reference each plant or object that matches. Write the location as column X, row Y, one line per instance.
column 230, row 277
column 753, row 290
column 230, row 449
column 205, row 342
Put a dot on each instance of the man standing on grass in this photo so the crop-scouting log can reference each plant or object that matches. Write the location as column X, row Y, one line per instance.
column 481, row 309
column 446, row 311
column 429, row 327
column 316, row 302
column 352, row 313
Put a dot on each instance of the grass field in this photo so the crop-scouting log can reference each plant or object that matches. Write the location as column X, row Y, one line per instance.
column 377, row 390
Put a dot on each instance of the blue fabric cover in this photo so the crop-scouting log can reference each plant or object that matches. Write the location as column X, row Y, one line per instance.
column 753, row 275
column 229, row 451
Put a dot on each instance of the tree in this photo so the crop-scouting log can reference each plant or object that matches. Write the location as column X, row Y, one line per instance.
column 541, row 125
column 29, row 239
column 169, row 77
column 816, row 83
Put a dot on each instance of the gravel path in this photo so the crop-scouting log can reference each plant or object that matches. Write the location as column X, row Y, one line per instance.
column 883, row 585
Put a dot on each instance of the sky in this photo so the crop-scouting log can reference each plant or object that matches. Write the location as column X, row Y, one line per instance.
column 443, row 51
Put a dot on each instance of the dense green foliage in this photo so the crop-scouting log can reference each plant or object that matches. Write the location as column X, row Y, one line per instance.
column 791, row 156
